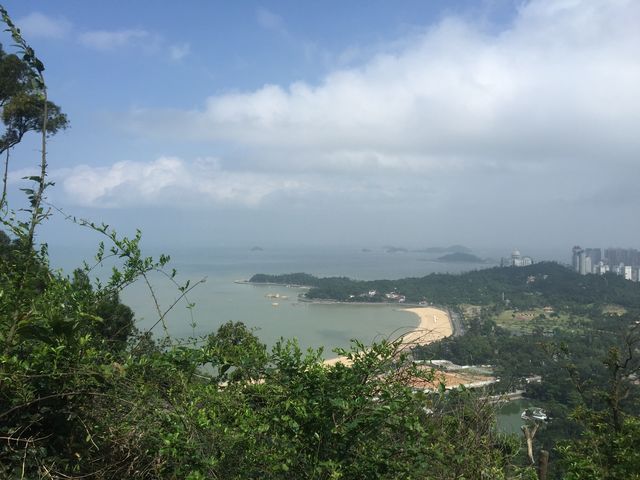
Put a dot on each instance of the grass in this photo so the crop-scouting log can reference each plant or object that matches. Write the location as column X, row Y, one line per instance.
column 470, row 311
column 527, row 321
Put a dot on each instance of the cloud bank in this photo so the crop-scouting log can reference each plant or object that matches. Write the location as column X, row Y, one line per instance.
column 561, row 84
column 455, row 127
column 170, row 181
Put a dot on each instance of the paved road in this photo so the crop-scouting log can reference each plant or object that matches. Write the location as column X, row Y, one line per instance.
column 456, row 323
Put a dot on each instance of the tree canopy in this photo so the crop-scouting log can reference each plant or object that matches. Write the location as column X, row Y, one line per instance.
column 21, row 105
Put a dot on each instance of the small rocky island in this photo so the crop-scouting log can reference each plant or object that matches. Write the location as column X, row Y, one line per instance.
column 460, row 257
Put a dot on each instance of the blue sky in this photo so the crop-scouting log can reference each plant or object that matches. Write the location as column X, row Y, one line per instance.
column 409, row 122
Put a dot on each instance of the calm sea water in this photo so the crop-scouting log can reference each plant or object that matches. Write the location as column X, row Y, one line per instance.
column 219, row 299
column 508, row 418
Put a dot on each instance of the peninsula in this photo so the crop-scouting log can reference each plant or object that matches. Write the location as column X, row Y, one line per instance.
column 539, row 285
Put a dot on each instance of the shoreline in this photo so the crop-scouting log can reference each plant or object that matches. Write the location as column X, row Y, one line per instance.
column 287, row 285
column 318, row 301
column 434, row 324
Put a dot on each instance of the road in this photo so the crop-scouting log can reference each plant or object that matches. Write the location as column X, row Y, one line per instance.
column 456, row 323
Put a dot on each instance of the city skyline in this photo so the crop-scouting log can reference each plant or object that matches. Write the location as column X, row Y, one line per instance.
column 595, row 260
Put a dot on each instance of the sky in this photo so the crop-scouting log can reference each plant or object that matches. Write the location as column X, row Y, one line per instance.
column 369, row 123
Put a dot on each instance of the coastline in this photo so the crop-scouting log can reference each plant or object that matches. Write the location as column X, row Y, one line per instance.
column 287, row 285
column 434, row 324
column 318, row 301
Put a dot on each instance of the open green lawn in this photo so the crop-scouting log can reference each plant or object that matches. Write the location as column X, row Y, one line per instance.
column 527, row 321
column 470, row 311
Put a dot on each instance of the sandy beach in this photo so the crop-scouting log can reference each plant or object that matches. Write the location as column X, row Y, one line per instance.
column 434, row 325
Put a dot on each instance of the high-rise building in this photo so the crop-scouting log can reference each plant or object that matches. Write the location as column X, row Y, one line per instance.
column 595, row 254
column 612, row 256
column 582, row 262
column 588, row 266
column 628, row 256
column 575, row 258
column 615, row 260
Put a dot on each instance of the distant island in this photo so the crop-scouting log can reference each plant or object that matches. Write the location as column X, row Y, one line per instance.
column 257, row 249
column 393, row 249
column 450, row 249
column 460, row 257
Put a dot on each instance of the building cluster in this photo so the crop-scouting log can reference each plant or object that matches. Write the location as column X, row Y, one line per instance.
column 621, row 261
column 516, row 260
column 391, row 296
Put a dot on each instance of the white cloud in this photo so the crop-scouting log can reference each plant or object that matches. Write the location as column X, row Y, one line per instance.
column 105, row 40
column 171, row 181
column 37, row 25
column 18, row 176
column 270, row 21
column 560, row 84
column 178, row 51
column 135, row 38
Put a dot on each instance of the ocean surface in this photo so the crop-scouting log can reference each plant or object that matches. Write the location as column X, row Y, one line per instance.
column 219, row 299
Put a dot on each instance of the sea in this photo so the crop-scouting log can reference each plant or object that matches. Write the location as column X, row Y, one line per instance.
column 273, row 312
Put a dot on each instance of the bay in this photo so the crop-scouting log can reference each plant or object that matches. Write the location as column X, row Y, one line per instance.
column 219, row 299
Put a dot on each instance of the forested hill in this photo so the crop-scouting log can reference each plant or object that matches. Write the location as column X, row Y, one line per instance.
column 545, row 283
column 288, row 279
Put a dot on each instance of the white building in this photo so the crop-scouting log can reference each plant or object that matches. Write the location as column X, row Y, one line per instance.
column 601, row 268
column 517, row 260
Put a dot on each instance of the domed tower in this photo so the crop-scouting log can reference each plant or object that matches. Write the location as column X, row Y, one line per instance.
column 516, row 258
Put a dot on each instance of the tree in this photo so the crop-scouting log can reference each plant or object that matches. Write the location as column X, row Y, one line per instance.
column 237, row 352
column 21, row 103
column 609, row 445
